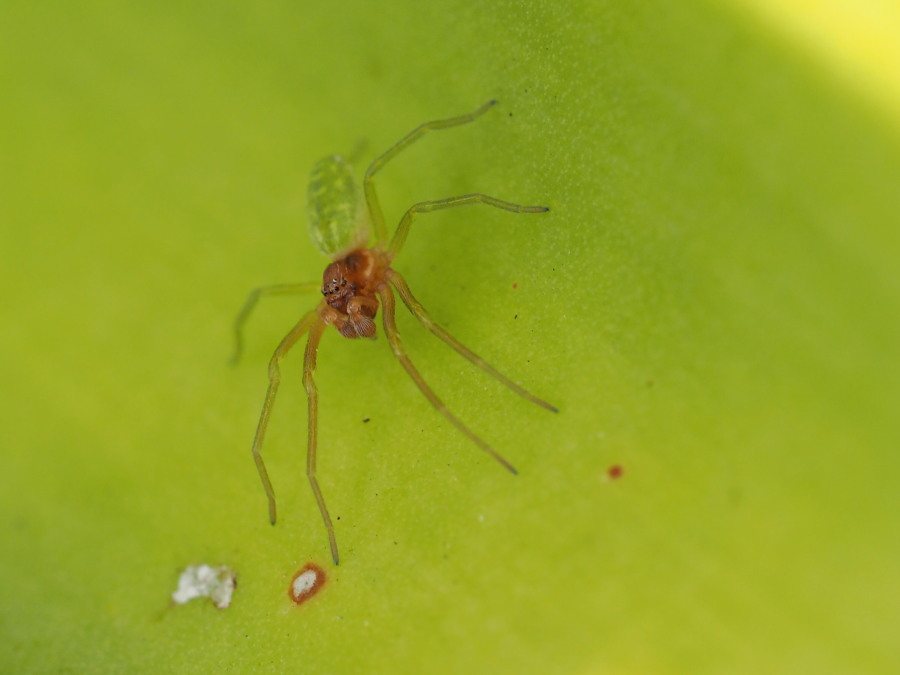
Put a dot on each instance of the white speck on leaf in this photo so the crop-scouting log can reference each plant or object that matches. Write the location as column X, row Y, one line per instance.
column 304, row 583
column 198, row 581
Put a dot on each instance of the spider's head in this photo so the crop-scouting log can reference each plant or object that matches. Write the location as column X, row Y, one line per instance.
column 336, row 289
column 356, row 274
column 334, row 283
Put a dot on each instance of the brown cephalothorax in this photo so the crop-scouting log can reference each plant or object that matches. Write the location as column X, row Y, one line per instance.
column 349, row 288
column 353, row 286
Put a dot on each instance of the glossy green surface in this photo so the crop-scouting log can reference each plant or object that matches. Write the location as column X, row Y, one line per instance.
column 712, row 303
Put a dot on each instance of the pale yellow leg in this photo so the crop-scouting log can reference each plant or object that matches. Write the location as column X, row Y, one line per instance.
column 390, row 328
column 250, row 303
column 312, row 396
column 418, row 311
column 307, row 322
column 449, row 203
column 410, row 138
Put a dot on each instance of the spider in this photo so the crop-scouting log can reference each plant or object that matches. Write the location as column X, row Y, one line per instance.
column 359, row 278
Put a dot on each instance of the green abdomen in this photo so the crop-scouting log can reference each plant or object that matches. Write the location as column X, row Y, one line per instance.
column 337, row 216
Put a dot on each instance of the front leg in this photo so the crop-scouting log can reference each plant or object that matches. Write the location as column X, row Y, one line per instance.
column 250, row 304
column 312, row 397
column 310, row 321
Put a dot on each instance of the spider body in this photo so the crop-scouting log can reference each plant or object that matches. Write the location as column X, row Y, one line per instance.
column 350, row 287
column 359, row 279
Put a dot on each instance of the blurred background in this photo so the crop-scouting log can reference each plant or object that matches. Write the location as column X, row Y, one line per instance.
column 712, row 302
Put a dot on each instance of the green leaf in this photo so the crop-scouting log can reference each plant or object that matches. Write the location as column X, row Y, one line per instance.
column 711, row 302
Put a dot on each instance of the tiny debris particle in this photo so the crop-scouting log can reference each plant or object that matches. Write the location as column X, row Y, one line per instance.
column 615, row 471
column 366, row 420
column 199, row 581
column 306, row 583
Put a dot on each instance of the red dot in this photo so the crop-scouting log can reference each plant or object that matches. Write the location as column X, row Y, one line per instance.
column 615, row 471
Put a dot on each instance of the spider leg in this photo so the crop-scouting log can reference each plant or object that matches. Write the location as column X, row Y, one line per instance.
column 312, row 396
column 311, row 320
column 378, row 163
column 449, row 203
column 250, row 303
column 390, row 328
column 418, row 311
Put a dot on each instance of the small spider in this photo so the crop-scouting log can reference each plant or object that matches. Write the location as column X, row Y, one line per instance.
column 352, row 287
